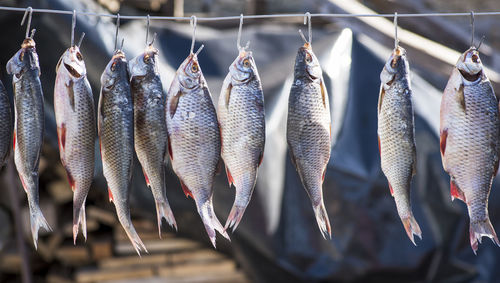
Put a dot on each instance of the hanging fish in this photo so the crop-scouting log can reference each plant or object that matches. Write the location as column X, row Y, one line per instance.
column 28, row 126
column 150, row 129
column 397, row 135
column 242, row 125
column 194, row 139
column 116, row 139
column 308, row 130
column 6, row 125
column 469, row 141
column 76, row 130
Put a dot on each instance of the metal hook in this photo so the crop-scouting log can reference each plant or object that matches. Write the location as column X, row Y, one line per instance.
column 472, row 27
column 73, row 25
column 147, row 30
column 117, row 27
column 302, row 35
column 199, row 50
column 307, row 20
column 121, row 46
column 396, row 41
column 81, row 39
column 239, row 33
column 480, row 42
column 193, row 24
column 153, row 40
column 30, row 10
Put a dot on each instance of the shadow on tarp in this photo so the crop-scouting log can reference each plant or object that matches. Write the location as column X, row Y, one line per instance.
column 278, row 239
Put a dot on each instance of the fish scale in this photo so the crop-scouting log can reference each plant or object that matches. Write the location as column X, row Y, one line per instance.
column 6, row 125
column 469, row 140
column 397, row 136
column 242, row 122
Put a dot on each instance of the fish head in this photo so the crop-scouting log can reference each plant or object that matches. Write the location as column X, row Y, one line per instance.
column 72, row 62
column 144, row 63
column 25, row 59
column 306, row 63
column 189, row 73
column 397, row 64
column 243, row 67
column 116, row 69
column 470, row 66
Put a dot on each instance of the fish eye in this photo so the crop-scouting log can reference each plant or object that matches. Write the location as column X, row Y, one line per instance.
column 308, row 58
column 79, row 56
column 194, row 68
column 113, row 66
column 475, row 58
column 246, row 63
column 146, row 58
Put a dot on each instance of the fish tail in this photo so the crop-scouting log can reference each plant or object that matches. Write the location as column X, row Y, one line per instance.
column 163, row 210
column 412, row 228
column 127, row 225
column 212, row 224
column 323, row 220
column 37, row 221
column 234, row 218
column 478, row 229
column 79, row 218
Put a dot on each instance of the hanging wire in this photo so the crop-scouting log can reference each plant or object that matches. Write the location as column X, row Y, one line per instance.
column 73, row 25
column 193, row 24
column 332, row 15
column 472, row 28
column 117, row 28
column 239, row 33
column 147, row 30
column 307, row 19
column 396, row 41
column 30, row 11
column 81, row 39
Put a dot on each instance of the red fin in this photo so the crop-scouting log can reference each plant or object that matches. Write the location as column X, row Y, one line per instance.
column 442, row 141
column 456, row 192
column 378, row 138
column 187, row 192
column 14, row 141
column 22, row 182
column 229, row 177
column 61, row 134
column 390, row 188
column 110, row 195
column 147, row 179
column 323, row 177
column 71, row 180
column 170, row 149
column 261, row 157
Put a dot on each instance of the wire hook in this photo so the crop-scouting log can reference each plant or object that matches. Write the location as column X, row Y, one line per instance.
column 81, row 39
column 73, row 25
column 117, row 27
column 396, row 41
column 193, row 24
column 147, row 29
column 307, row 20
column 30, row 10
column 472, row 28
column 239, row 33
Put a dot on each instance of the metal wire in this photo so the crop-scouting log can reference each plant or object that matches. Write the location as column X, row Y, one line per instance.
column 206, row 19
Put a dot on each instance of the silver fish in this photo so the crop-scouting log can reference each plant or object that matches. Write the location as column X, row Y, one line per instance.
column 76, row 129
column 28, row 126
column 6, row 125
column 469, row 141
column 242, row 125
column 150, row 129
column 309, row 130
column 116, row 138
column 397, row 136
column 194, row 139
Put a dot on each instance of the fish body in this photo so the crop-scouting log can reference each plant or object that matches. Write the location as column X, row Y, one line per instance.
column 242, row 126
column 150, row 129
column 194, row 139
column 6, row 125
column 469, row 141
column 396, row 135
column 309, row 130
column 76, row 129
column 28, row 126
column 116, row 139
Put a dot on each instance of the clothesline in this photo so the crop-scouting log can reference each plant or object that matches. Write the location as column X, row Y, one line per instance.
column 325, row 15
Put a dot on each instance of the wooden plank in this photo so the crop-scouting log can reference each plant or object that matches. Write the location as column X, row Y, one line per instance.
column 101, row 249
column 73, row 255
column 101, row 215
column 60, row 191
column 202, row 255
column 156, row 246
column 198, row 269
column 47, row 249
column 57, row 278
column 10, row 262
column 120, row 235
column 236, row 277
column 96, row 275
column 133, row 261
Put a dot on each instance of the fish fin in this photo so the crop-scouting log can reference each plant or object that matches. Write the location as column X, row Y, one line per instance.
column 37, row 221
column 381, row 98
column 71, row 94
column 134, row 238
column 146, row 177
column 170, row 148
column 228, row 94
column 110, row 195
column 174, row 101
column 79, row 218
column 323, row 93
column 212, row 224
column 479, row 229
column 229, row 177
column 412, row 228
column 234, row 218
column 378, row 139
column 261, row 158
column 456, row 192
column 442, row 141
column 163, row 210
column 14, row 141
column 390, row 188
column 323, row 175
column 71, row 180
column 186, row 190
column 322, row 219
column 61, row 134
column 461, row 96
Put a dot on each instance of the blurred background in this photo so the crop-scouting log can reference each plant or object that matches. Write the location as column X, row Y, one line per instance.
column 278, row 239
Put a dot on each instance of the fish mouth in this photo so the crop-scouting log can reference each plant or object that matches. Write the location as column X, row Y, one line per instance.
column 471, row 77
column 28, row 43
column 72, row 70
